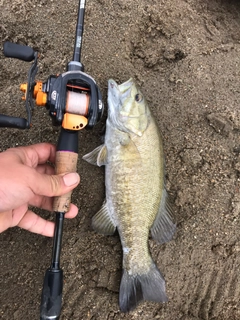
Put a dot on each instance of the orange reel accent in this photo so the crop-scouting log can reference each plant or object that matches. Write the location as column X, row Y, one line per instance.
column 37, row 88
column 41, row 98
column 23, row 88
column 74, row 122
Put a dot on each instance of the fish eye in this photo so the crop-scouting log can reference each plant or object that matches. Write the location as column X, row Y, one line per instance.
column 112, row 85
column 138, row 97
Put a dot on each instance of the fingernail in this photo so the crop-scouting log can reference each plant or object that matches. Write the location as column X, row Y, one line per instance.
column 71, row 179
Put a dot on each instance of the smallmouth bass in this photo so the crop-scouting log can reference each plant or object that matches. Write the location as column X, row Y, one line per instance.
column 136, row 198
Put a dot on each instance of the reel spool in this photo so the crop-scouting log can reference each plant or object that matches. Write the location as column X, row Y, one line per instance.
column 77, row 106
column 77, row 103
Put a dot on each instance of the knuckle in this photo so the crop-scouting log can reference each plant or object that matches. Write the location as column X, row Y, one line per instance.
column 55, row 185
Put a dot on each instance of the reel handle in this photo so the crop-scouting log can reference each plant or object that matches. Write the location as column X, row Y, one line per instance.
column 13, row 122
column 18, row 51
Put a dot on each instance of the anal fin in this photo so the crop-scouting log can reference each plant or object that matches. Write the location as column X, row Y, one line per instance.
column 163, row 227
column 102, row 221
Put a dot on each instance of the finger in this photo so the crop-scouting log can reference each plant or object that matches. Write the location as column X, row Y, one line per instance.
column 52, row 185
column 73, row 211
column 40, row 153
column 35, row 154
column 42, row 202
column 46, row 203
column 34, row 223
column 45, row 168
column 5, row 220
column 11, row 218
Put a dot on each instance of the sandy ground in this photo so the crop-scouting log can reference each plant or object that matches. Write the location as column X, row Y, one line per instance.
column 185, row 55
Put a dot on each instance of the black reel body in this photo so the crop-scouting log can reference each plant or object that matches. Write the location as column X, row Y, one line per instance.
column 59, row 94
column 58, row 88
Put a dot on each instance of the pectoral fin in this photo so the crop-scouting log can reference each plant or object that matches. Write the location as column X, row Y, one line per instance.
column 163, row 227
column 102, row 221
column 98, row 156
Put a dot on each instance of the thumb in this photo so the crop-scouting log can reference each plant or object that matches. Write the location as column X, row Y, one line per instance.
column 55, row 185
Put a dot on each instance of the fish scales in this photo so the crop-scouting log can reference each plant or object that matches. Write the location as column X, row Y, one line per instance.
column 136, row 180
column 136, row 198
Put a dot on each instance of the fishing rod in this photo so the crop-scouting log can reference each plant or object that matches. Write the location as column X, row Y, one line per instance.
column 74, row 102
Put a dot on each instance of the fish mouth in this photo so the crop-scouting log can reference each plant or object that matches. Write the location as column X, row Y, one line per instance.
column 123, row 88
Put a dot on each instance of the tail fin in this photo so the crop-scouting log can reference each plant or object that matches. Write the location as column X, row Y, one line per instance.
column 138, row 287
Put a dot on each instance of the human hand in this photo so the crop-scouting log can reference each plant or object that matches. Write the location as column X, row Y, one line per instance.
column 26, row 179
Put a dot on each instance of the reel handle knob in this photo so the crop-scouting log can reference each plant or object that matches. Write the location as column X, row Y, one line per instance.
column 13, row 122
column 18, row 51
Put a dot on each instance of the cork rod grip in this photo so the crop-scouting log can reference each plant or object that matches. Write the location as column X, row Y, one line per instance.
column 66, row 161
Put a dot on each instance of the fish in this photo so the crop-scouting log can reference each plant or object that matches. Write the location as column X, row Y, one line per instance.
column 136, row 198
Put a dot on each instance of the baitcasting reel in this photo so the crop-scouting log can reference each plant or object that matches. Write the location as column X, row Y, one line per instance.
column 72, row 98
